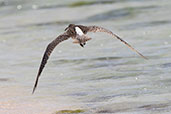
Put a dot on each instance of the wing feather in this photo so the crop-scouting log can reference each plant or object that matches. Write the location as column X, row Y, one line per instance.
column 101, row 29
column 47, row 53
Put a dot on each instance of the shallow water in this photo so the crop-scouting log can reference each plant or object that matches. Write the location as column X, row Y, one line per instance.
column 103, row 77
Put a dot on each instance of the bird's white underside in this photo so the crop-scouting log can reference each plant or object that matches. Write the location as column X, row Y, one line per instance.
column 79, row 31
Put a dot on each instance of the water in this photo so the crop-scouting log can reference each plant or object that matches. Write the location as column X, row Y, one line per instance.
column 103, row 77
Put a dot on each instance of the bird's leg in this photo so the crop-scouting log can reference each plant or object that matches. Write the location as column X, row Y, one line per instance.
column 81, row 45
column 84, row 43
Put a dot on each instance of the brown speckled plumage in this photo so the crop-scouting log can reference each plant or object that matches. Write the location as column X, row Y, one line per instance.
column 71, row 32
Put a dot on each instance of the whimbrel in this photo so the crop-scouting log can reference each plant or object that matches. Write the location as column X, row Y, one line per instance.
column 78, row 34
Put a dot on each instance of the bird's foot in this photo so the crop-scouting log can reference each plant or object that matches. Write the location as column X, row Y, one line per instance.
column 82, row 45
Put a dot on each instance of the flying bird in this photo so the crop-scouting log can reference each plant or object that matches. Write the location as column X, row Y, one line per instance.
column 78, row 34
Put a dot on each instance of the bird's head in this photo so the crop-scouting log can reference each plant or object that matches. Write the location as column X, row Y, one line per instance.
column 69, row 26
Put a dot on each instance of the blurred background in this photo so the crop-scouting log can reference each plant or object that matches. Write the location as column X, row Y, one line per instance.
column 105, row 76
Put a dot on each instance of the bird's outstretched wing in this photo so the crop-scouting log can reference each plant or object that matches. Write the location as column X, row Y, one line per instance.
column 47, row 53
column 101, row 29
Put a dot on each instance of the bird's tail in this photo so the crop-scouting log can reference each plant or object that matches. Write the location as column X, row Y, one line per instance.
column 81, row 39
